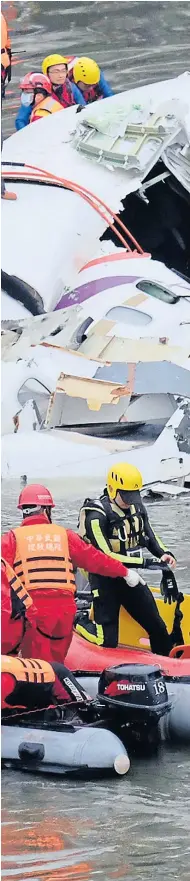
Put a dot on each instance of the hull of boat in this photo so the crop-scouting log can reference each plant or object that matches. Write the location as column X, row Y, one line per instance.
column 75, row 750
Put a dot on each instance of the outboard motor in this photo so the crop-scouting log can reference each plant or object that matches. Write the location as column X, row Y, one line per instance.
column 138, row 696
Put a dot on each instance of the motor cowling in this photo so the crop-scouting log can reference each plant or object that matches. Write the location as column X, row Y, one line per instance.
column 137, row 690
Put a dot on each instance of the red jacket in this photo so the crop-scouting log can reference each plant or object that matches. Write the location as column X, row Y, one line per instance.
column 83, row 556
column 64, row 94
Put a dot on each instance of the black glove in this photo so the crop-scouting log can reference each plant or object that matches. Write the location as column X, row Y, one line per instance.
column 9, row 53
column 168, row 587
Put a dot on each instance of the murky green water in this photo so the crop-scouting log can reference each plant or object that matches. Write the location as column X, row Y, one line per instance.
column 135, row 42
column 135, row 828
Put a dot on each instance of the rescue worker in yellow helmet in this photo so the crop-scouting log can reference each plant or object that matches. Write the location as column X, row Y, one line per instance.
column 117, row 523
column 55, row 67
column 90, row 80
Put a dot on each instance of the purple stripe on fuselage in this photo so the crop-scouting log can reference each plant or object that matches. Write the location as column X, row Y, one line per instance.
column 79, row 295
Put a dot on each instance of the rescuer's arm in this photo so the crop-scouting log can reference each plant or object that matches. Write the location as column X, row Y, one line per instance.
column 154, row 544
column 8, row 547
column 85, row 556
column 6, row 606
column 105, row 87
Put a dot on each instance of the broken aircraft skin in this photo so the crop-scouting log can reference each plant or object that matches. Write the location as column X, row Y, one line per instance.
column 149, row 182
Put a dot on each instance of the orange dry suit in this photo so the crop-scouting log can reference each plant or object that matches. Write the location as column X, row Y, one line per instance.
column 42, row 563
column 34, row 684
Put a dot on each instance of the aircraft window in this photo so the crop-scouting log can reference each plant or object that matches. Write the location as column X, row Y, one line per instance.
column 158, row 291
column 36, row 391
column 128, row 316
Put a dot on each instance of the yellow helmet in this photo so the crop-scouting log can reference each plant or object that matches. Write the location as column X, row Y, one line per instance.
column 125, row 479
column 86, row 71
column 51, row 61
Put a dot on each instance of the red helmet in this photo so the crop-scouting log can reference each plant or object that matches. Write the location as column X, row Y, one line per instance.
column 36, row 494
column 36, row 81
column 25, row 83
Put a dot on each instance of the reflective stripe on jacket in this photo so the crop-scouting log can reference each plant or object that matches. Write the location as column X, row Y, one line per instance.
column 17, row 586
column 42, row 557
column 123, row 534
column 48, row 105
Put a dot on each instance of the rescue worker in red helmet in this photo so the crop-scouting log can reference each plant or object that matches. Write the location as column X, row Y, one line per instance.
column 26, row 101
column 44, row 102
column 43, row 556
column 37, row 100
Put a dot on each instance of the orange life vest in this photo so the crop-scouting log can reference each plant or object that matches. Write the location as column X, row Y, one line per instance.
column 5, row 43
column 17, row 586
column 42, row 557
column 25, row 670
column 48, row 105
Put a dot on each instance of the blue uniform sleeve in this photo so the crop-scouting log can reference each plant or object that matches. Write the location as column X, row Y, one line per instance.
column 23, row 117
column 104, row 87
column 77, row 95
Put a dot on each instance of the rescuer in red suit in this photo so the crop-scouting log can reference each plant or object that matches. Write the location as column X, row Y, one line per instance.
column 43, row 555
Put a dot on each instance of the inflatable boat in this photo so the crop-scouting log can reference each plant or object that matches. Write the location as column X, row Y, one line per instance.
column 86, row 736
column 138, row 701
column 131, row 634
column 88, row 662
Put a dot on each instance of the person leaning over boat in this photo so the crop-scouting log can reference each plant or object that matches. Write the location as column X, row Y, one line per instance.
column 43, row 556
column 117, row 523
column 56, row 68
column 90, row 80
column 37, row 100
column 36, row 684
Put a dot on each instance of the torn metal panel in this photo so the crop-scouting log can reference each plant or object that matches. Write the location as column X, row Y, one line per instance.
column 182, row 433
column 177, row 159
column 114, row 348
column 149, row 378
column 94, row 392
column 134, row 147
